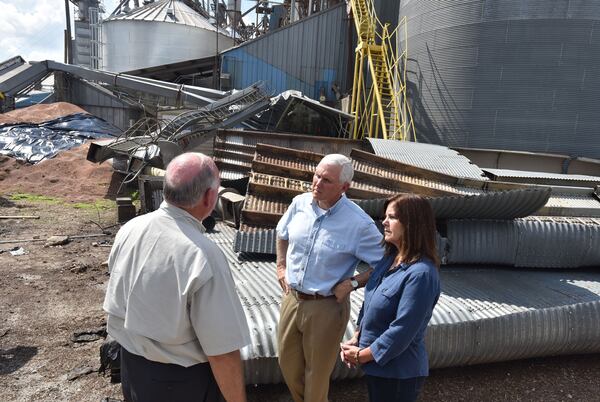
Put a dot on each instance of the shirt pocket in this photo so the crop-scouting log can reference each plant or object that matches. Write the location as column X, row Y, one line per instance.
column 335, row 245
column 390, row 292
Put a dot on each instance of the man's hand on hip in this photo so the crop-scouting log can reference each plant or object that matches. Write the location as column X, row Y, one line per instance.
column 342, row 290
column 281, row 279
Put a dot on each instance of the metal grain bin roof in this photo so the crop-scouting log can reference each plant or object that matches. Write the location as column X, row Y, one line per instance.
column 489, row 314
column 309, row 55
column 505, row 74
column 171, row 11
column 427, row 156
column 484, row 314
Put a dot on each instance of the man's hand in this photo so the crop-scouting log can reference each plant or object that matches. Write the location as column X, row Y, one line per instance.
column 281, row 279
column 281, row 248
column 342, row 290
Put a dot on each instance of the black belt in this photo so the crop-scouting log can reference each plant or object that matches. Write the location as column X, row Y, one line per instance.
column 305, row 296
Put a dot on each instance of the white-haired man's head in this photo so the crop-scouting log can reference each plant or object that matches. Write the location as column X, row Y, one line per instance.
column 332, row 178
column 345, row 163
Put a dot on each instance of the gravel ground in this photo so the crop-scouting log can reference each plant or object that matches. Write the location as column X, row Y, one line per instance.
column 560, row 378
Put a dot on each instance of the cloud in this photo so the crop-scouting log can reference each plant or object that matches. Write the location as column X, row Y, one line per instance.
column 32, row 29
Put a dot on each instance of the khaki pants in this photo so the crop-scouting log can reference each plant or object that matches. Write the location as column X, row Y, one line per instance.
column 308, row 338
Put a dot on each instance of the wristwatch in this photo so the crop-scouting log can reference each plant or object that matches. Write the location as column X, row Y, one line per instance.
column 354, row 283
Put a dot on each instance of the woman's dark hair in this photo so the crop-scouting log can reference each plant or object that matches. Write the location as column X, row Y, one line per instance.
column 418, row 228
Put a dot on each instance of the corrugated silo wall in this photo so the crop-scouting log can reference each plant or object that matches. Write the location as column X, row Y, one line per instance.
column 510, row 74
column 306, row 56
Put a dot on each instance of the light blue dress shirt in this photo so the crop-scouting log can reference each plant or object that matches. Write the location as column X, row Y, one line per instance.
column 326, row 246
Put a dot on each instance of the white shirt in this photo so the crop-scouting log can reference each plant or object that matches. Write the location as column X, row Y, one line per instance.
column 171, row 297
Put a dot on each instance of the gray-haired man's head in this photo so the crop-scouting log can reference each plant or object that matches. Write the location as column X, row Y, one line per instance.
column 187, row 179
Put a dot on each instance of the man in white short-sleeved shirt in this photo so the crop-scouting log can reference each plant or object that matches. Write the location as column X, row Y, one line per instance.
column 171, row 299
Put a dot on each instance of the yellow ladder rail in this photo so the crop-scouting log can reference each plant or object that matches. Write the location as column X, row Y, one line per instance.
column 379, row 109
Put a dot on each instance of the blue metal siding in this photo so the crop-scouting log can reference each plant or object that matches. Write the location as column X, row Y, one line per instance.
column 306, row 56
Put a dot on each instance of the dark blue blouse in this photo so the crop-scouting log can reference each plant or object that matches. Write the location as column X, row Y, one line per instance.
column 397, row 307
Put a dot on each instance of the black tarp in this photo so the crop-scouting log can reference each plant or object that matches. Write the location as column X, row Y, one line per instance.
column 35, row 142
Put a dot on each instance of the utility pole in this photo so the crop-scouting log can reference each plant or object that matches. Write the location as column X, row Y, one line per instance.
column 68, row 48
column 216, row 71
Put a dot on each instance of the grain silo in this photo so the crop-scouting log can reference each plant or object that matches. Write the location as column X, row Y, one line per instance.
column 512, row 74
column 161, row 32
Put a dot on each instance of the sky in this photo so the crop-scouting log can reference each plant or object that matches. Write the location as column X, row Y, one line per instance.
column 34, row 29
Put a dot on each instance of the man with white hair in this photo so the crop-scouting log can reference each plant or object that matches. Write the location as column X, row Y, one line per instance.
column 320, row 240
column 171, row 300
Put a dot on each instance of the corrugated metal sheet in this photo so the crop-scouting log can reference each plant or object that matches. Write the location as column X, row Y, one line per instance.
column 310, row 56
column 249, row 240
column 482, row 242
column 496, row 205
column 521, row 176
column 571, row 205
column 523, row 243
column 427, row 156
column 484, row 314
column 505, row 74
column 489, row 315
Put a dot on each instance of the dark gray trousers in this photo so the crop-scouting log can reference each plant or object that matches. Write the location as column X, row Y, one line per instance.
column 143, row 380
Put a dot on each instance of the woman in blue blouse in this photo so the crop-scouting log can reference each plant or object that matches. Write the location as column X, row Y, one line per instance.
column 399, row 300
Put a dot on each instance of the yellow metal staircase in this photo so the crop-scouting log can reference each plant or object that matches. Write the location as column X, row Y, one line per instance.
column 378, row 103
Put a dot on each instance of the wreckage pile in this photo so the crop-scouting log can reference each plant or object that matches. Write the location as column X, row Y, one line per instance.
column 489, row 311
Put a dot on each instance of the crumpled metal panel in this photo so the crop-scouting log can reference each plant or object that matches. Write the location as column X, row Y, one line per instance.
column 523, row 243
column 484, row 314
column 428, row 156
column 521, row 176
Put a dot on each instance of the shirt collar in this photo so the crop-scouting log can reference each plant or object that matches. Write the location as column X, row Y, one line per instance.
column 335, row 206
column 177, row 212
column 402, row 267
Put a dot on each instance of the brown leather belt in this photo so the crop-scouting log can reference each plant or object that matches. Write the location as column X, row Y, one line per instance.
column 306, row 296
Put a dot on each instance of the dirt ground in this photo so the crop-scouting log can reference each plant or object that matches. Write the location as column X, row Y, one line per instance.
column 50, row 293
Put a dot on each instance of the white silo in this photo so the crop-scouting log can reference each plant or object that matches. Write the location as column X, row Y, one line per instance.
column 162, row 32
